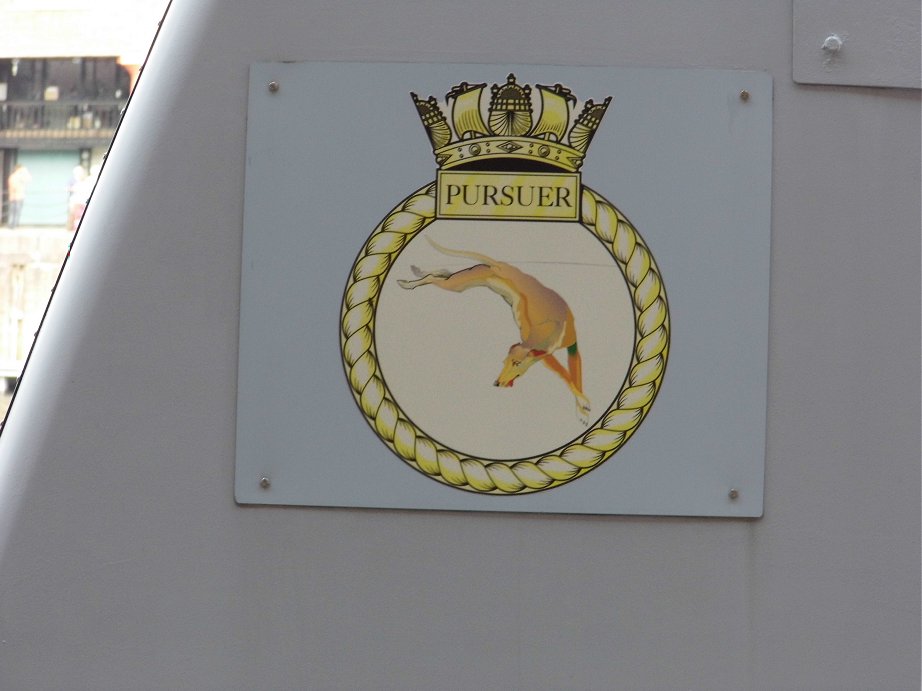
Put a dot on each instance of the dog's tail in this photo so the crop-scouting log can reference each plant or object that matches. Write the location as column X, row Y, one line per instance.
column 463, row 253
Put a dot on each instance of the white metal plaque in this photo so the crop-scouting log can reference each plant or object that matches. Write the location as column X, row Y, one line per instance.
column 505, row 288
column 857, row 43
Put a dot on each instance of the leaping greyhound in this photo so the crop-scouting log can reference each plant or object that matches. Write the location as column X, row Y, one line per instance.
column 544, row 319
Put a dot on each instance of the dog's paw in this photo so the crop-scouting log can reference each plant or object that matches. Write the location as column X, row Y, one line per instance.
column 405, row 284
column 419, row 273
column 582, row 410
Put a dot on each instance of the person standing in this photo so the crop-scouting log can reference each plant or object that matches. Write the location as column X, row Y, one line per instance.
column 17, row 182
column 74, row 203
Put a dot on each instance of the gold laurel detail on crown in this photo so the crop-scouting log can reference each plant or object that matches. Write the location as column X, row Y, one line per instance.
column 509, row 131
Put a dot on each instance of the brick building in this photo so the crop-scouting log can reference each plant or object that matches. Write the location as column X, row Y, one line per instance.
column 66, row 70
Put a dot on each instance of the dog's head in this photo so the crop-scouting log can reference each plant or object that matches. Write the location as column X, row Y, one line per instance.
column 517, row 363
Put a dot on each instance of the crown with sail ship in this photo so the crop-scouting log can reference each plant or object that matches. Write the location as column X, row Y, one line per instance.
column 509, row 138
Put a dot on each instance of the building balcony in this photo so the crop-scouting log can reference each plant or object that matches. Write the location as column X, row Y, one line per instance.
column 51, row 124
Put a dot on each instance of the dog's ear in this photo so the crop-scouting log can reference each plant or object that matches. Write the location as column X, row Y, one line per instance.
column 537, row 353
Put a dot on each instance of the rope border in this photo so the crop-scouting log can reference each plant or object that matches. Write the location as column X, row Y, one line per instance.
column 542, row 472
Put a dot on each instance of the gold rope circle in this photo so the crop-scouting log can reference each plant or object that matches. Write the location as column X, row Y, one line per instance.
column 613, row 429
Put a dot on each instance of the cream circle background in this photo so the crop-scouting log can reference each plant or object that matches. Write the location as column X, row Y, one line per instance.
column 439, row 351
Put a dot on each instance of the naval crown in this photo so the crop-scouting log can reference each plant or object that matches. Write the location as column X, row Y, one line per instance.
column 509, row 138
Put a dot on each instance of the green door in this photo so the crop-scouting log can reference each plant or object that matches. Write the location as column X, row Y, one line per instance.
column 46, row 196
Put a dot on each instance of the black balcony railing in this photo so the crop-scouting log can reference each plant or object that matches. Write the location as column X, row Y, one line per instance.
column 59, row 119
